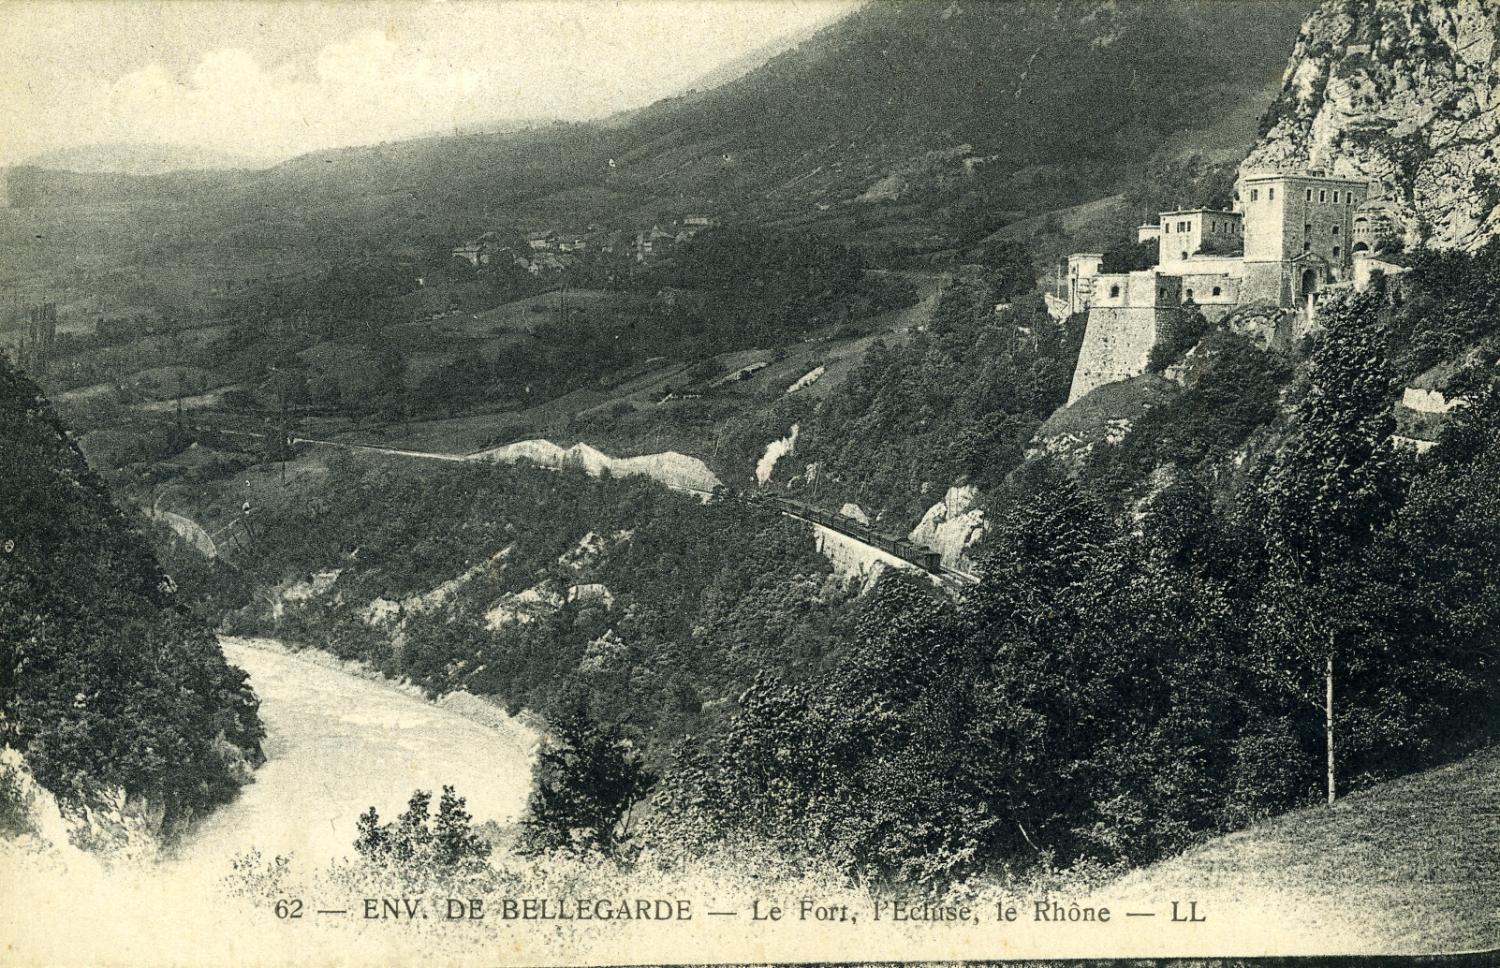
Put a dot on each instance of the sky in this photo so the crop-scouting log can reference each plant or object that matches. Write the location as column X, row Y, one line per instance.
column 265, row 81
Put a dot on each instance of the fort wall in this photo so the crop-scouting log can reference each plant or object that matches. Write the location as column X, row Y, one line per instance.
column 1116, row 345
column 1211, row 289
column 1288, row 239
column 1265, row 282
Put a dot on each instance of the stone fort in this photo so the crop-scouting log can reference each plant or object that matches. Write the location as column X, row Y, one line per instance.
column 1288, row 236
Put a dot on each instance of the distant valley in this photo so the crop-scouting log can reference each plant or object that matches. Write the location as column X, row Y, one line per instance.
column 982, row 444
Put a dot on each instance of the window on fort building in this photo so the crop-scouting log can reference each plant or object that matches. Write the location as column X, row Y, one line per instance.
column 1114, row 292
column 1307, row 228
column 1218, row 291
column 1322, row 195
column 1189, row 293
column 1184, row 253
column 1306, row 246
column 1309, row 194
column 1335, row 252
column 1335, row 198
column 1270, row 194
column 1255, row 194
column 1335, row 230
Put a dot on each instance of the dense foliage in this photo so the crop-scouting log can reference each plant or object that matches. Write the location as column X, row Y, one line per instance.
column 419, row 844
column 587, row 780
column 104, row 678
column 1130, row 256
column 1232, row 392
column 639, row 606
column 958, row 401
column 1120, row 685
column 1451, row 300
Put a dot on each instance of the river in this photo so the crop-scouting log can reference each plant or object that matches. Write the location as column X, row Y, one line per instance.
column 340, row 741
column 338, row 744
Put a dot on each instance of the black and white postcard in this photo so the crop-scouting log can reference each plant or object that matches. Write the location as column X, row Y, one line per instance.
column 723, row 482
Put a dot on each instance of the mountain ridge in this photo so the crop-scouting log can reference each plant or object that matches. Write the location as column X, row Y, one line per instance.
column 984, row 113
column 140, row 159
column 1405, row 95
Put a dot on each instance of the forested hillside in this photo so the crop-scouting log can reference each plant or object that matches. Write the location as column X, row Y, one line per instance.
column 957, row 403
column 1125, row 679
column 551, row 592
column 952, row 119
column 106, row 682
column 910, row 129
column 1162, row 584
column 1142, row 664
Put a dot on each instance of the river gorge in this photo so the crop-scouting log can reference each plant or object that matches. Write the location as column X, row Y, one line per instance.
column 338, row 741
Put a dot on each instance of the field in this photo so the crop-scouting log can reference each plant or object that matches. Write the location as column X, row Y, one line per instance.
column 1409, row 866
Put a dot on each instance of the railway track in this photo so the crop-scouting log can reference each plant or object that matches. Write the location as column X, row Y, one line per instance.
column 923, row 559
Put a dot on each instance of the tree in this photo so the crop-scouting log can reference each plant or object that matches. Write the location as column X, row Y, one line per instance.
column 1012, row 271
column 1130, row 256
column 1332, row 487
column 418, row 843
column 587, row 780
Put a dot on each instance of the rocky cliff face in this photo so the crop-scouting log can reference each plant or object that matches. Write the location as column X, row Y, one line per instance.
column 950, row 526
column 1404, row 93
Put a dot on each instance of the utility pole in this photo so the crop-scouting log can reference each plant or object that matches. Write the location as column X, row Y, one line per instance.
column 1328, row 721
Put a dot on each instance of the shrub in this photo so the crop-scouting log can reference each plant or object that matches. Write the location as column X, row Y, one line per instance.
column 586, row 782
column 423, row 845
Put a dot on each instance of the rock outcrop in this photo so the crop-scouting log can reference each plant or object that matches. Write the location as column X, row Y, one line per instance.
column 28, row 809
column 1403, row 93
column 951, row 526
column 524, row 606
column 100, row 818
column 669, row 467
column 807, row 379
column 854, row 512
column 775, row 450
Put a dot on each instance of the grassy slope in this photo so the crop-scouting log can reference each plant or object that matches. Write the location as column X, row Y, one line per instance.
column 1409, row 866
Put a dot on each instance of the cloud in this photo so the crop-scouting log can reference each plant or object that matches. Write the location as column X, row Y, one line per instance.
column 367, row 88
column 396, row 71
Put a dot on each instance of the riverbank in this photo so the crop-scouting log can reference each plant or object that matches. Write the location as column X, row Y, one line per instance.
column 341, row 739
column 476, row 709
